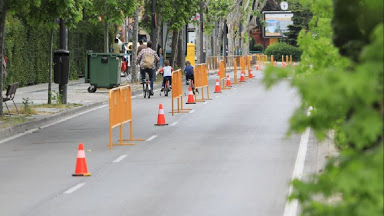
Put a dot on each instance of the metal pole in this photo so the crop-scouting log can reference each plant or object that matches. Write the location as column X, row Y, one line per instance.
column 225, row 40
column 153, row 29
column 202, row 59
column 64, row 46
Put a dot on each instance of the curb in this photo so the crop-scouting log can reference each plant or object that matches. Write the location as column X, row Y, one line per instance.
column 21, row 128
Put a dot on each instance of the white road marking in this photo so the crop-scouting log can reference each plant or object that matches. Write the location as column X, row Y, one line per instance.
column 48, row 125
column 205, row 102
column 151, row 138
column 74, row 188
column 119, row 159
column 217, row 96
column 133, row 97
column 291, row 207
column 192, row 111
column 174, row 123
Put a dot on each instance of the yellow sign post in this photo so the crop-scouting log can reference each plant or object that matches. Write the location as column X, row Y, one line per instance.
column 191, row 53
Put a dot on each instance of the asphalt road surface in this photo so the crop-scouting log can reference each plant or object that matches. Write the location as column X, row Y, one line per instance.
column 229, row 156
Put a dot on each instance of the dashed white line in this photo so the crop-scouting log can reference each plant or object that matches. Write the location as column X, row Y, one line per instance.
column 151, row 138
column 119, row 159
column 192, row 111
column 133, row 97
column 217, row 96
column 174, row 123
column 205, row 102
column 74, row 188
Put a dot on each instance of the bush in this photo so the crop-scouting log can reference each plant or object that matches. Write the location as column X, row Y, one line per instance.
column 27, row 50
column 279, row 49
column 259, row 47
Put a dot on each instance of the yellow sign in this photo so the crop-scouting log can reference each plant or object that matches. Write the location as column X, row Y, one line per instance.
column 191, row 53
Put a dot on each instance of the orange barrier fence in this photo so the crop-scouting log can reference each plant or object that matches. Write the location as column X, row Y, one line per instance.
column 223, row 75
column 201, row 81
column 120, row 112
column 177, row 92
column 235, row 63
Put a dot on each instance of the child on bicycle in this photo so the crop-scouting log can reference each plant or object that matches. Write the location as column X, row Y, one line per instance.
column 166, row 71
column 188, row 72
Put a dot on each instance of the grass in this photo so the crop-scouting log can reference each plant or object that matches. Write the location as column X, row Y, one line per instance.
column 7, row 121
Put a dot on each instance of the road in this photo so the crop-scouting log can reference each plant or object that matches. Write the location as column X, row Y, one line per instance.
column 230, row 156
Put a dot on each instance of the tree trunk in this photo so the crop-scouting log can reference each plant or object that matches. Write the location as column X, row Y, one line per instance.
column 165, row 44
column 106, row 36
column 175, row 41
column 134, row 42
column 3, row 14
column 219, row 37
column 50, row 68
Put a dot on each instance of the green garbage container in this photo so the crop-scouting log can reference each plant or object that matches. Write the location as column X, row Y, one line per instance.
column 102, row 70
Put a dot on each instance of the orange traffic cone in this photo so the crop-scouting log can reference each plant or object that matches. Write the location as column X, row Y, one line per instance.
column 250, row 74
column 81, row 163
column 228, row 84
column 191, row 99
column 161, row 116
column 218, row 71
column 257, row 67
column 242, row 79
column 275, row 63
column 217, row 87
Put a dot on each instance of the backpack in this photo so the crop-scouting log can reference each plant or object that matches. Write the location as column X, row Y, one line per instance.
column 148, row 61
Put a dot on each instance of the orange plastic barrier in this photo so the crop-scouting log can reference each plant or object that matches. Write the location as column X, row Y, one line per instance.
column 237, row 59
column 201, row 81
column 177, row 92
column 223, row 75
column 120, row 112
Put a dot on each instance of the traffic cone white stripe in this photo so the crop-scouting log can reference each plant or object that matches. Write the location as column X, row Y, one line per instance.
column 81, row 154
column 161, row 112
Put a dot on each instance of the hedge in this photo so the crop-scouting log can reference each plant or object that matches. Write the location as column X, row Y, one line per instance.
column 27, row 50
column 279, row 49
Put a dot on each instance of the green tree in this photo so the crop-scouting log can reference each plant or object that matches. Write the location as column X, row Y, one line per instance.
column 110, row 12
column 343, row 82
column 36, row 12
column 301, row 17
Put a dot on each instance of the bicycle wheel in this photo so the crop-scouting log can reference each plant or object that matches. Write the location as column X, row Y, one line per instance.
column 144, row 91
column 148, row 91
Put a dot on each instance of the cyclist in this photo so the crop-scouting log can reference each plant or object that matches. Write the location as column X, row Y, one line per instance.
column 188, row 72
column 147, row 58
column 167, row 74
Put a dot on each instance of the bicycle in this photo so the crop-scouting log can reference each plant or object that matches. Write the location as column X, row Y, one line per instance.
column 166, row 88
column 147, row 88
column 192, row 85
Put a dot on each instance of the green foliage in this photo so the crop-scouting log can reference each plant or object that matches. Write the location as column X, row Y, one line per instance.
column 27, row 106
column 217, row 9
column 57, row 98
column 346, row 93
column 301, row 17
column 353, row 26
column 27, row 50
column 279, row 49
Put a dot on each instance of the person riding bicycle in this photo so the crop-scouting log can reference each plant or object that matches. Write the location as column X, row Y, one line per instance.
column 146, row 58
column 167, row 74
column 188, row 72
